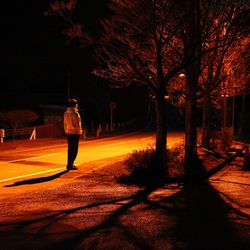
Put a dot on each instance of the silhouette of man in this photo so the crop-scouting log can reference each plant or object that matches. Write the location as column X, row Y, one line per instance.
column 73, row 130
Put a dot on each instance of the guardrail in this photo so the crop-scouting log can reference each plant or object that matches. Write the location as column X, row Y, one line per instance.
column 18, row 133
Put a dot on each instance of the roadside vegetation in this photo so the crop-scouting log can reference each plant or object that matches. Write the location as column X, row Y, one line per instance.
column 140, row 165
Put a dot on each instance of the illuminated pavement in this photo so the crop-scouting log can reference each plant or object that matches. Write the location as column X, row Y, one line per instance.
column 34, row 158
column 89, row 209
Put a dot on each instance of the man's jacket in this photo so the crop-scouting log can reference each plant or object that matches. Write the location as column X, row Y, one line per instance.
column 72, row 122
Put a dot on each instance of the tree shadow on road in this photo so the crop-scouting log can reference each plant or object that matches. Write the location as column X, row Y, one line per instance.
column 194, row 217
column 69, row 240
column 203, row 220
column 38, row 180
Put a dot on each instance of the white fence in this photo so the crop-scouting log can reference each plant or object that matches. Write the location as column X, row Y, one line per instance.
column 18, row 133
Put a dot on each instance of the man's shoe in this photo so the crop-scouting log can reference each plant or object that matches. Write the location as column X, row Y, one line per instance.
column 72, row 168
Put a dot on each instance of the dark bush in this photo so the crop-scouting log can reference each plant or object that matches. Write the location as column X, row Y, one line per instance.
column 142, row 166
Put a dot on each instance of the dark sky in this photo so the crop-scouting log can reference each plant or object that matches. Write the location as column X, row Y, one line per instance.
column 37, row 65
column 34, row 56
column 27, row 42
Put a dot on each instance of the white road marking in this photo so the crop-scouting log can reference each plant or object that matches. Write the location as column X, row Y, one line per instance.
column 27, row 175
column 52, row 170
column 30, row 158
column 62, row 168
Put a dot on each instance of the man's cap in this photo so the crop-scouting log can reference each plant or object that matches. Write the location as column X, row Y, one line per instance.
column 72, row 102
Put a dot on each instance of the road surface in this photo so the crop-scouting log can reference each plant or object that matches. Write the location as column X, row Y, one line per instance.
column 44, row 207
column 24, row 163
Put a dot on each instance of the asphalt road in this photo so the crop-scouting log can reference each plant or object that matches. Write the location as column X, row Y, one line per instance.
column 45, row 207
column 23, row 163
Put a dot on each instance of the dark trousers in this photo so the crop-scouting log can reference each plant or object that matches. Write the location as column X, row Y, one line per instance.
column 73, row 141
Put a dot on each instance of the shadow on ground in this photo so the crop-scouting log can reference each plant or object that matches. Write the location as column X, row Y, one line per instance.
column 38, row 180
column 193, row 217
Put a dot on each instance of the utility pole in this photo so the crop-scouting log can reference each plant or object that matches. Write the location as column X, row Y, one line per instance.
column 112, row 107
column 68, row 82
column 224, row 123
column 233, row 113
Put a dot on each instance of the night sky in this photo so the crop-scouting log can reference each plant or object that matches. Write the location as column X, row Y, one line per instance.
column 35, row 57
column 37, row 65
column 33, row 53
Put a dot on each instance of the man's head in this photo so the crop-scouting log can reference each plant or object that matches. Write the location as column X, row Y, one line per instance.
column 72, row 103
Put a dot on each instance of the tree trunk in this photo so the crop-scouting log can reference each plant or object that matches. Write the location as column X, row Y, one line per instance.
column 206, row 123
column 190, row 134
column 192, row 50
column 161, row 135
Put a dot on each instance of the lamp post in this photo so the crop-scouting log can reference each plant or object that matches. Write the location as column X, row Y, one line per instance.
column 112, row 107
column 233, row 105
column 224, row 124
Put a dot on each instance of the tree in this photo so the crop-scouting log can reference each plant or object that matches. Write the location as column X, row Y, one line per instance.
column 210, row 31
column 140, row 45
column 192, row 57
column 151, row 42
column 237, row 77
column 223, row 40
column 18, row 118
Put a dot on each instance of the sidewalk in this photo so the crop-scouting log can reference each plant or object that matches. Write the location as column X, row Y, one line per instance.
column 94, row 211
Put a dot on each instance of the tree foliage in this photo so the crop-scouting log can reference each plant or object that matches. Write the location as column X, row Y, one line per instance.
column 226, row 39
column 19, row 118
column 151, row 42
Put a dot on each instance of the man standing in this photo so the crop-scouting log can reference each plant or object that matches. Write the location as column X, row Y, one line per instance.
column 73, row 130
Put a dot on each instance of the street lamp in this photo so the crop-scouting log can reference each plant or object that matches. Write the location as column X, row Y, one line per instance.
column 182, row 76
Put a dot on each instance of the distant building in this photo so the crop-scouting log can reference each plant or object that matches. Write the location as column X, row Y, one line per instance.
column 52, row 121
